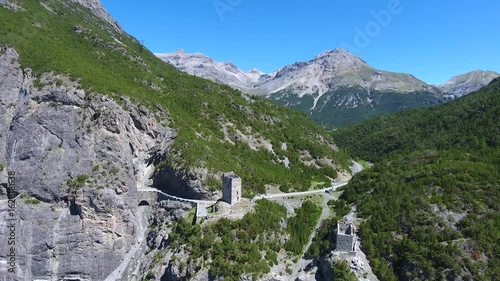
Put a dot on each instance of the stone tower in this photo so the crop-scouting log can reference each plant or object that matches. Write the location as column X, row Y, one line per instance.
column 231, row 188
column 345, row 237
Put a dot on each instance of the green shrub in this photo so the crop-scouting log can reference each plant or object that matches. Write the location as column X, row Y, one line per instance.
column 78, row 182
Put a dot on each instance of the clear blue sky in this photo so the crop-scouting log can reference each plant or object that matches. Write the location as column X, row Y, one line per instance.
column 432, row 39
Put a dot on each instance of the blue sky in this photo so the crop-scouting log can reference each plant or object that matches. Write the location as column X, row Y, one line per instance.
column 432, row 39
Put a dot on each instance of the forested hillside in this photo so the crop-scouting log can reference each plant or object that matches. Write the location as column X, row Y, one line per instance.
column 470, row 122
column 218, row 128
column 431, row 200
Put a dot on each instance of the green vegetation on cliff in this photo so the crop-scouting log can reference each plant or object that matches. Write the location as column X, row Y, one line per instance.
column 431, row 200
column 236, row 247
column 218, row 128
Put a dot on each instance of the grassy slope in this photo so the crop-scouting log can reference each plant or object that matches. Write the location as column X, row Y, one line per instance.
column 431, row 164
column 46, row 41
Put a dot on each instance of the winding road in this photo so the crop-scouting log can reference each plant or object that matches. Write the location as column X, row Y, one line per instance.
column 301, row 193
column 325, row 213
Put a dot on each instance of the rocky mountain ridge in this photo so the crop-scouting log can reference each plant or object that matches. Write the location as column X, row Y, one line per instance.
column 327, row 71
column 332, row 87
column 468, row 82
column 335, row 69
column 203, row 66
column 98, row 9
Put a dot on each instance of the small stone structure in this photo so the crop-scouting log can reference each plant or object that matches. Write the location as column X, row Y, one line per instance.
column 231, row 188
column 345, row 237
column 201, row 212
column 147, row 198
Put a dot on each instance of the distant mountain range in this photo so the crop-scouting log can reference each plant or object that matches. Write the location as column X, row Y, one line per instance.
column 335, row 87
column 203, row 66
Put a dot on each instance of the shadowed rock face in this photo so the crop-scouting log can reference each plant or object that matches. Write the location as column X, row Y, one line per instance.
column 78, row 158
column 179, row 183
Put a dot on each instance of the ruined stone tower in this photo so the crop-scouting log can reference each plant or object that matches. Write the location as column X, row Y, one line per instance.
column 231, row 188
column 345, row 237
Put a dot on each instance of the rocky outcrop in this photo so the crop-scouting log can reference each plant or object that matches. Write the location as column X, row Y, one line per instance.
column 9, row 4
column 78, row 158
column 98, row 9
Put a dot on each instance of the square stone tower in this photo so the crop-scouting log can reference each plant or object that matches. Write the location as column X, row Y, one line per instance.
column 231, row 188
column 345, row 237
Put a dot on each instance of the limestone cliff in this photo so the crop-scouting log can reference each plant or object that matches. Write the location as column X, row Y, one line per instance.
column 78, row 158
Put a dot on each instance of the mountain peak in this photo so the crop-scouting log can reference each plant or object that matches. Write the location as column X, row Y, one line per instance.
column 255, row 70
column 468, row 82
column 180, row 52
column 334, row 51
column 338, row 54
column 201, row 65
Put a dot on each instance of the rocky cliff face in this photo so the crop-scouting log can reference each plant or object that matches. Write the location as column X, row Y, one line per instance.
column 467, row 83
column 78, row 159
